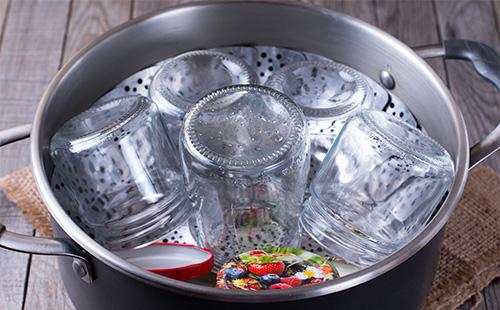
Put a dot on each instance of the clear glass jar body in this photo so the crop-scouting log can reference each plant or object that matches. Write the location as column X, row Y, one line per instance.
column 246, row 166
column 119, row 167
column 376, row 189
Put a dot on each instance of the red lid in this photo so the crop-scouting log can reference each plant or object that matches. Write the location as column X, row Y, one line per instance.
column 173, row 260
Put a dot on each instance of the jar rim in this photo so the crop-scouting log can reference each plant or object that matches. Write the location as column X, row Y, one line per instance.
column 78, row 142
column 179, row 106
column 363, row 89
column 401, row 144
column 209, row 156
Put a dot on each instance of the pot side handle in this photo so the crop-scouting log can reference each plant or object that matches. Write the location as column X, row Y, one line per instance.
column 38, row 245
column 486, row 61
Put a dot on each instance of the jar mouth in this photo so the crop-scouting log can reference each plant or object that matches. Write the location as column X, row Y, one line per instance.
column 336, row 90
column 183, row 80
column 406, row 138
column 243, row 126
column 98, row 123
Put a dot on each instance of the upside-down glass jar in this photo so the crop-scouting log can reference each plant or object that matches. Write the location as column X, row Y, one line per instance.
column 185, row 79
column 376, row 189
column 120, row 172
column 245, row 155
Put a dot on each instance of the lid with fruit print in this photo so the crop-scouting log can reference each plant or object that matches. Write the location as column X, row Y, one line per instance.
column 279, row 268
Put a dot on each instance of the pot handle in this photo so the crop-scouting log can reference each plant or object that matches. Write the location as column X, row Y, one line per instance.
column 486, row 61
column 38, row 245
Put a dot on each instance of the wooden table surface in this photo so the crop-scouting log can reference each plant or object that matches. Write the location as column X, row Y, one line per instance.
column 38, row 36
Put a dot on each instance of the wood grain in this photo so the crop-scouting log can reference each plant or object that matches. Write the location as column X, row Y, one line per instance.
column 478, row 99
column 29, row 57
column 14, row 266
column 142, row 7
column 361, row 9
column 87, row 20
column 4, row 4
column 414, row 23
column 490, row 299
column 496, row 4
column 30, row 52
column 45, row 288
column 91, row 18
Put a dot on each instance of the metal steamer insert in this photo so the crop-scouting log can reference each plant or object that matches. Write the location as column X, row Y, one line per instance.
column 264, row 60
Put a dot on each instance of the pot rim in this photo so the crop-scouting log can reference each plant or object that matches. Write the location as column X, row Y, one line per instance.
column 179, row 287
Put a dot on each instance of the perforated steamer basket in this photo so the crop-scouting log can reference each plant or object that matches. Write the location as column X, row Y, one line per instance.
column 95, row 278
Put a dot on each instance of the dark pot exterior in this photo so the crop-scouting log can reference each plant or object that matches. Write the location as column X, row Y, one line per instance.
column 404, row 287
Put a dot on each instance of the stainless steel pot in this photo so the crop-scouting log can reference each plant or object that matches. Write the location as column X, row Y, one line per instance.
column 97, row 279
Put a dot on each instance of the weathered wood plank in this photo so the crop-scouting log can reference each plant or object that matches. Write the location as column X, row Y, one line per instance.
column 490, row 298
column 91, row 18
column 45, row 288
column 413, row 22
column 4, row 4
column 361, row 9
column 496, row 4
column 29, row 57
column 87, row 20
column 142, row 7
column 491, row 295
column 14, row 266
column 478, row 99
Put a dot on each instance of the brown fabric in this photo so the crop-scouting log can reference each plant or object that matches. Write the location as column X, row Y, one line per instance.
column 470, row 256
column 20, row 188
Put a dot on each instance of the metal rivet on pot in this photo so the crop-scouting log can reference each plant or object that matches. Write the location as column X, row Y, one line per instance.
column 81, row 269
column 387, row 79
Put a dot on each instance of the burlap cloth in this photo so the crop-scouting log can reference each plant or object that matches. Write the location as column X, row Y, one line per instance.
column 470, row 256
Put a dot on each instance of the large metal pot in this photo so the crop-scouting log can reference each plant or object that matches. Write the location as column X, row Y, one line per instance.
column 97, row 279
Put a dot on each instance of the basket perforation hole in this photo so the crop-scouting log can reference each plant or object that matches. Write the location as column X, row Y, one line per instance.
column 127, row 88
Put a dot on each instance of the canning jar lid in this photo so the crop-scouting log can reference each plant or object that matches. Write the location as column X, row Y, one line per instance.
column 185, row 79
column 243, row 126
column 322, row 89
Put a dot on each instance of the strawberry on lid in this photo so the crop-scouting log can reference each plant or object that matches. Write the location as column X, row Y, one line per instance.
column 282, row 268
